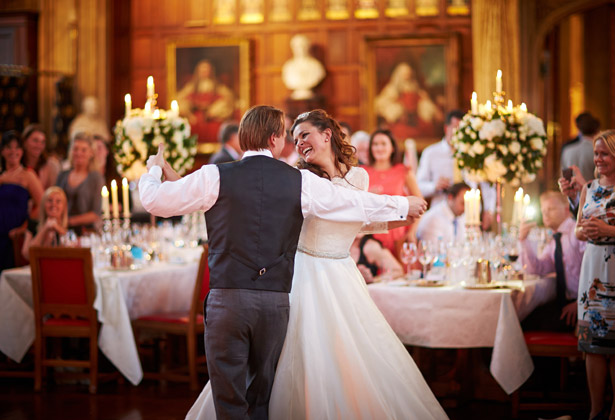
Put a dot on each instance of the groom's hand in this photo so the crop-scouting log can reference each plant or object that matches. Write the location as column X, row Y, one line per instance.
column 416, row 206
column 157, row 159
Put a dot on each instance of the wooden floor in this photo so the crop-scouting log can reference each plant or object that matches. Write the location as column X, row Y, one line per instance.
column 153, row 401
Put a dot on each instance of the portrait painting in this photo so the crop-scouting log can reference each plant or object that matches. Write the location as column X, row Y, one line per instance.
column 411, row 84
column 210, row 81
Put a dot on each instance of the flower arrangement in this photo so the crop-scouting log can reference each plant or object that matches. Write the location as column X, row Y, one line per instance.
column 500, row 144
column 138, row 135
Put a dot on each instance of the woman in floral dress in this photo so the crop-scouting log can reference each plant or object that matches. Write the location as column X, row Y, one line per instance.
column 596, row 224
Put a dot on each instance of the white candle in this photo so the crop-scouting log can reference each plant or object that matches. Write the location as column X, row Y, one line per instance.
column 516, row 218
column 509, row 108
column 174, row 108
column 125, row 202
column 466, row 206
column 523, row 107
column 156, row 114
column 477, row 207
column 114, row 204
column 128, row 103
column 474, row 103
column 498, row 81
column 105, row 201
column 526, row 204
column 150, row 87
column 147, row 109
column 488, row 106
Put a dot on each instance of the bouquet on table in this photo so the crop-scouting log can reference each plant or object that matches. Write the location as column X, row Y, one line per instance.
column 138, row 135
column 497, row 143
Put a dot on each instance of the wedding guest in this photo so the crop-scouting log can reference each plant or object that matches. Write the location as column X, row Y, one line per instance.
column 18, row 186
column 82, row 184
column 35, row 157
column 388, row 176
column 561, row 255
column 52, row 223
column 360, row 141
column 289, row 153
column 572, row 187
column 446, row 219
column 229, row 139
column 437, row 171
column 580, row 151
column 596, row 225
column 89, row 120
column 104, row 162
column 373, row 259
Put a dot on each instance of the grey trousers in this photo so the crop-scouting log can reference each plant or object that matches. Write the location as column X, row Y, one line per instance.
column 244, row 334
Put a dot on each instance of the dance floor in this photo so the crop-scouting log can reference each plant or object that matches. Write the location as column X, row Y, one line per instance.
column 153, row 401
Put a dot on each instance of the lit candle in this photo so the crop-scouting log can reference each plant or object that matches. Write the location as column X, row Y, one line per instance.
column 498, row 81
column 526, row 204
column 116, row 211
column 477, row 207
column 466, row 206
column 105, row 201
column 148, row 108
column 488, row 106
column 509, row 108
column 516, row 218
column 125, row 203
column 474, row 103
column 156, row 114
column 128, row 102
column 523, row 107
column 174, row 108
column 150, row 87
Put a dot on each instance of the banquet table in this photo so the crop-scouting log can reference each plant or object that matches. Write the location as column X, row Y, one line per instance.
column 457, row 317
column 121, row 296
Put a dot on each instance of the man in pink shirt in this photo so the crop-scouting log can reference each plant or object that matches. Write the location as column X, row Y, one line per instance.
column 562, row 255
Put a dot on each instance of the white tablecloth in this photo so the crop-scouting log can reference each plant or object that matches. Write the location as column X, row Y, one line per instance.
column 454, row 317
column 120, row 297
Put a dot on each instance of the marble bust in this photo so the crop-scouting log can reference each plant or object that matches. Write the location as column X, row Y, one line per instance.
column 302, row 72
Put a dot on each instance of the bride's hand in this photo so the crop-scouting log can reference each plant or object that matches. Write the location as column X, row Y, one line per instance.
column 416, row 206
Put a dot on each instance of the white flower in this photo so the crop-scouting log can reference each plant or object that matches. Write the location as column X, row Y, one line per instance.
column 475, row 176
column 536, row 143
column 494, row 168
column 476, row 123
column 535, row 125
column 503, row 149
column 473, row 135
column 490, row 145
column 491, row 129
column 478, row 148
column 515, row 182
column 527, row 178
column 133, row 128
column 514, row 147
column 158, row 140
column 538, row 164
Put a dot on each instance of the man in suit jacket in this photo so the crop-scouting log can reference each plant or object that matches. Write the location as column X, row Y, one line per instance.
column 255, row 208
column 229, row 138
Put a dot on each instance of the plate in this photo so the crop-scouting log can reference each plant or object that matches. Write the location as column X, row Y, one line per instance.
column 428, row 283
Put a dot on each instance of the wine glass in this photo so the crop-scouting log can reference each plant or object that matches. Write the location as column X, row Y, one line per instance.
column 426, row 256
column 408, row 255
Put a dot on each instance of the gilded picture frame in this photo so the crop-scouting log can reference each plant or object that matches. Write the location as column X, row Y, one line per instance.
column 411, row 83
column 210, row 79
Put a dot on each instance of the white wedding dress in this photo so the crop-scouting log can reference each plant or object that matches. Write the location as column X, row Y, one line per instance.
column 341, row 359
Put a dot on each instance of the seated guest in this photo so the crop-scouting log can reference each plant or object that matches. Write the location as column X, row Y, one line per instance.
column 52, row 223
column 562, row 255
column 388, row 176
column 104, row 162
column 373, row 259
column 35, row 157
column 229, row 139
column 18, row 186
column 445, row 220
column 82, row 184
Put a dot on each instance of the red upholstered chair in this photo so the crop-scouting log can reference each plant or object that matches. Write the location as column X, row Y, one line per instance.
column 550, row 344
column 189, row 324
column 63, row 291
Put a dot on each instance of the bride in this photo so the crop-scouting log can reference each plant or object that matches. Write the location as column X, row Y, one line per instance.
column 341, row 359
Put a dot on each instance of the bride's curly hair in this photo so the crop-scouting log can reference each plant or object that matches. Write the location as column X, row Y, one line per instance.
column 345, row 153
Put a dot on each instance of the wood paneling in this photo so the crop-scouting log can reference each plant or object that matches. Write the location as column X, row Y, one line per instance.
column 337, row 44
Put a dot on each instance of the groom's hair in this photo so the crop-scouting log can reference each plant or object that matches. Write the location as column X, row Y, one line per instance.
column 257, row 125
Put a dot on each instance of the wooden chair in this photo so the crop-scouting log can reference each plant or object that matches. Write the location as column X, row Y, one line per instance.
column 17, row 240
column 63, row 292
column 550, row 344
column 189, row 324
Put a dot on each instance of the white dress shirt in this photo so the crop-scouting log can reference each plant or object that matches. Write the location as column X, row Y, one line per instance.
column 437, row 161
column 319, row 197
column 439, row 223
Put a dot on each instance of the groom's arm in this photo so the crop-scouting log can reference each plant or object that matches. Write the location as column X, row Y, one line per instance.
column 321, row 198
column 197, row 191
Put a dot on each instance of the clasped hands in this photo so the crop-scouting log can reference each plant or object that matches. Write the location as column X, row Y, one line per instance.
column 416, row 207
column 592, row 228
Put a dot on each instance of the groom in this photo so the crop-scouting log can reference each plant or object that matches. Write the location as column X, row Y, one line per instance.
column 255, row 208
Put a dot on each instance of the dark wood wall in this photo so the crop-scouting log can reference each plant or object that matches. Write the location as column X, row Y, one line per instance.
column 142, row 28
